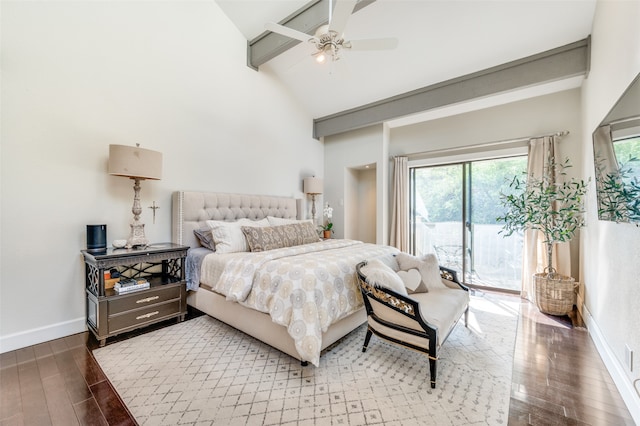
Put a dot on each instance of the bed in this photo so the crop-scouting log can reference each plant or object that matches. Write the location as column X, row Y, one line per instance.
column 323, row 301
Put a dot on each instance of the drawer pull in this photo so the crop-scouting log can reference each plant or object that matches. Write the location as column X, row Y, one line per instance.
column 149, row 315
column 147, row 299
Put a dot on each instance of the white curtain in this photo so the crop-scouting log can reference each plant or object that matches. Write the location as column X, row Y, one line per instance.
column 606, row 162
column 534, row 252
column 399, row 237
column 603, row 150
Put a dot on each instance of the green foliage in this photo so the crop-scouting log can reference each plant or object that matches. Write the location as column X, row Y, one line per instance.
column 488, row 181
column 440, row 187
column 618, row 192
column 550, row 204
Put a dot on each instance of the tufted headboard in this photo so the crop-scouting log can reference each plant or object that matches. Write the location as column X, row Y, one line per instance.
column 191, row 210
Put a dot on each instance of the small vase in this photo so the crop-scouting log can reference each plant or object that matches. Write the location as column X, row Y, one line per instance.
column 327, row 235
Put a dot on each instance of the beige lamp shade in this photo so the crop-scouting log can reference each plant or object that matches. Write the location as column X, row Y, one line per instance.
column 135, row 162
column 312, row 185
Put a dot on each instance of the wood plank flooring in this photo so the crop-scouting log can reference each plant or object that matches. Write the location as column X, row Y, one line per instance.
column 58, row 383
column 558, row 379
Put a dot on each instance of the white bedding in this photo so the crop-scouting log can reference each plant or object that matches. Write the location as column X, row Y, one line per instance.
column 304, row 288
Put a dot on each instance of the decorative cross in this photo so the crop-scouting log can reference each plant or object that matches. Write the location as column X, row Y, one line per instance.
column 154, row 208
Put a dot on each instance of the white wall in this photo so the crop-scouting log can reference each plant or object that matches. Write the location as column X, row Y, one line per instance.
column 611, row 252
column 349, row 151
column 78, row 76
column 367, row 201
column 530, row 117
column 360, row 208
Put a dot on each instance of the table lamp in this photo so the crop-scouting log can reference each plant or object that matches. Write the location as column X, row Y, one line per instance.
column 138, row 164
column 313, row 186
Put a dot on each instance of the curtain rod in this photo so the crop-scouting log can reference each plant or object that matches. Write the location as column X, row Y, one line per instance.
column 481, row 145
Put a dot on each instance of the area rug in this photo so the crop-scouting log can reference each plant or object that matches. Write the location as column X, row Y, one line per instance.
column 203, row 372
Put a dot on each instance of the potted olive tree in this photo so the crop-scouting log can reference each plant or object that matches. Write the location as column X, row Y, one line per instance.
column 552, row 205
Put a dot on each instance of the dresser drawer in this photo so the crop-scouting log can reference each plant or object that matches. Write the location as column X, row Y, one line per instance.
column 138, row 317
column 140, row 299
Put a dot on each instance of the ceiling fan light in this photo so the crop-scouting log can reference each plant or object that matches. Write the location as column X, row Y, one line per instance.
column 321, row 58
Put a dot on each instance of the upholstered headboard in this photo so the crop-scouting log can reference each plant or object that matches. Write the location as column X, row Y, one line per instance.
column 191, row 210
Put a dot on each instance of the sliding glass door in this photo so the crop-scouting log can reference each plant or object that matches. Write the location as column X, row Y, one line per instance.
column 453, row 211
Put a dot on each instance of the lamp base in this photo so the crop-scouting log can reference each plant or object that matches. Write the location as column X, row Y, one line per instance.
column 313, row 208
column 136, row 237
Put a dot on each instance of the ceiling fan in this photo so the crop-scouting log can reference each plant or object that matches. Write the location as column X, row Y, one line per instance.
column 329, row 40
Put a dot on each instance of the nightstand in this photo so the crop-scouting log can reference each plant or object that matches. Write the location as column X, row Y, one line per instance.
column 110, row 313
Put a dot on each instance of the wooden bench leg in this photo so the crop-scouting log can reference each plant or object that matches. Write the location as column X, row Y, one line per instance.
column 366, row 340
column 432, row 368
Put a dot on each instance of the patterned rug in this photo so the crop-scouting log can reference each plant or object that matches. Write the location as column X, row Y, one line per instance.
column 203, row 372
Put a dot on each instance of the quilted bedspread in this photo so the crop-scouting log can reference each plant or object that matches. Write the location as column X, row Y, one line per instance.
column 304, row 288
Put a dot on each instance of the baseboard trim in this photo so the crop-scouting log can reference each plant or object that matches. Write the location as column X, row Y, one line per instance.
column 615, row 368
column 34, row 336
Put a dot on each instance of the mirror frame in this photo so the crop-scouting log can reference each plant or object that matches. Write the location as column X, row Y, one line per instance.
column 617, row 189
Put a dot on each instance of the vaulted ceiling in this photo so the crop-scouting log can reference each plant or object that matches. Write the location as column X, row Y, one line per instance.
column 438, row 41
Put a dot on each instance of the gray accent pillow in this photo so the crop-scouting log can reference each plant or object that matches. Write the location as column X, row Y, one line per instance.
column 274, row 237
column 205, row 237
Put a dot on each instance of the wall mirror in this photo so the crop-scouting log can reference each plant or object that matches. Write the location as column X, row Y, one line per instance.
column 616, row 148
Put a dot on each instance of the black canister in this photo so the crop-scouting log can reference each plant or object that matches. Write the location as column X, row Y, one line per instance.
column 96, row 237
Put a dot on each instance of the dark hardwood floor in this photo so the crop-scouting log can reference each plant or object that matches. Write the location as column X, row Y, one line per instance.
column 558, row 379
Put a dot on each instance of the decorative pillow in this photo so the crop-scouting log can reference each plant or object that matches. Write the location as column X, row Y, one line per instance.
column 307, row 232
column 428, row 267
column 277, row 221
column 407, row 261
column 228, row 236
column 412, row 281
column 274, row 237
column 380, row 275
column 430, row 271
column 205, row 237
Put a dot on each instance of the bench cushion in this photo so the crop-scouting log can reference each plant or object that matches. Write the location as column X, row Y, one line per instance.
column 442, row 308
column 439, row 308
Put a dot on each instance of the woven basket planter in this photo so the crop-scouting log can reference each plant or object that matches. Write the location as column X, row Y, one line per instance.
column 555, row 296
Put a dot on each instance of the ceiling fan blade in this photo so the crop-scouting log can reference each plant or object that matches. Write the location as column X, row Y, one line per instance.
column 341, row 13
column 288, row 32
column 372, row 44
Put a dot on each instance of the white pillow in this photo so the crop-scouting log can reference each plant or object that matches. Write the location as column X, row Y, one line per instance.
column 380, row 275
column 228, row 236
column 428, row 267
column 412, row 281
column 277, row 221
column 430, row 271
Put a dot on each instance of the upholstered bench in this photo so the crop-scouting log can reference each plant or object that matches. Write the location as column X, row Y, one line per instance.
column 422, row 320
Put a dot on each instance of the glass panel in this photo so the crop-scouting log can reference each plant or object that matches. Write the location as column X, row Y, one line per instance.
column 454, row 209
column 496, row 261
column 437, row 213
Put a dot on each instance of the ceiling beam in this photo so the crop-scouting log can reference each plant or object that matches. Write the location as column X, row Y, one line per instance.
column 563, row 62
column 308, row 19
